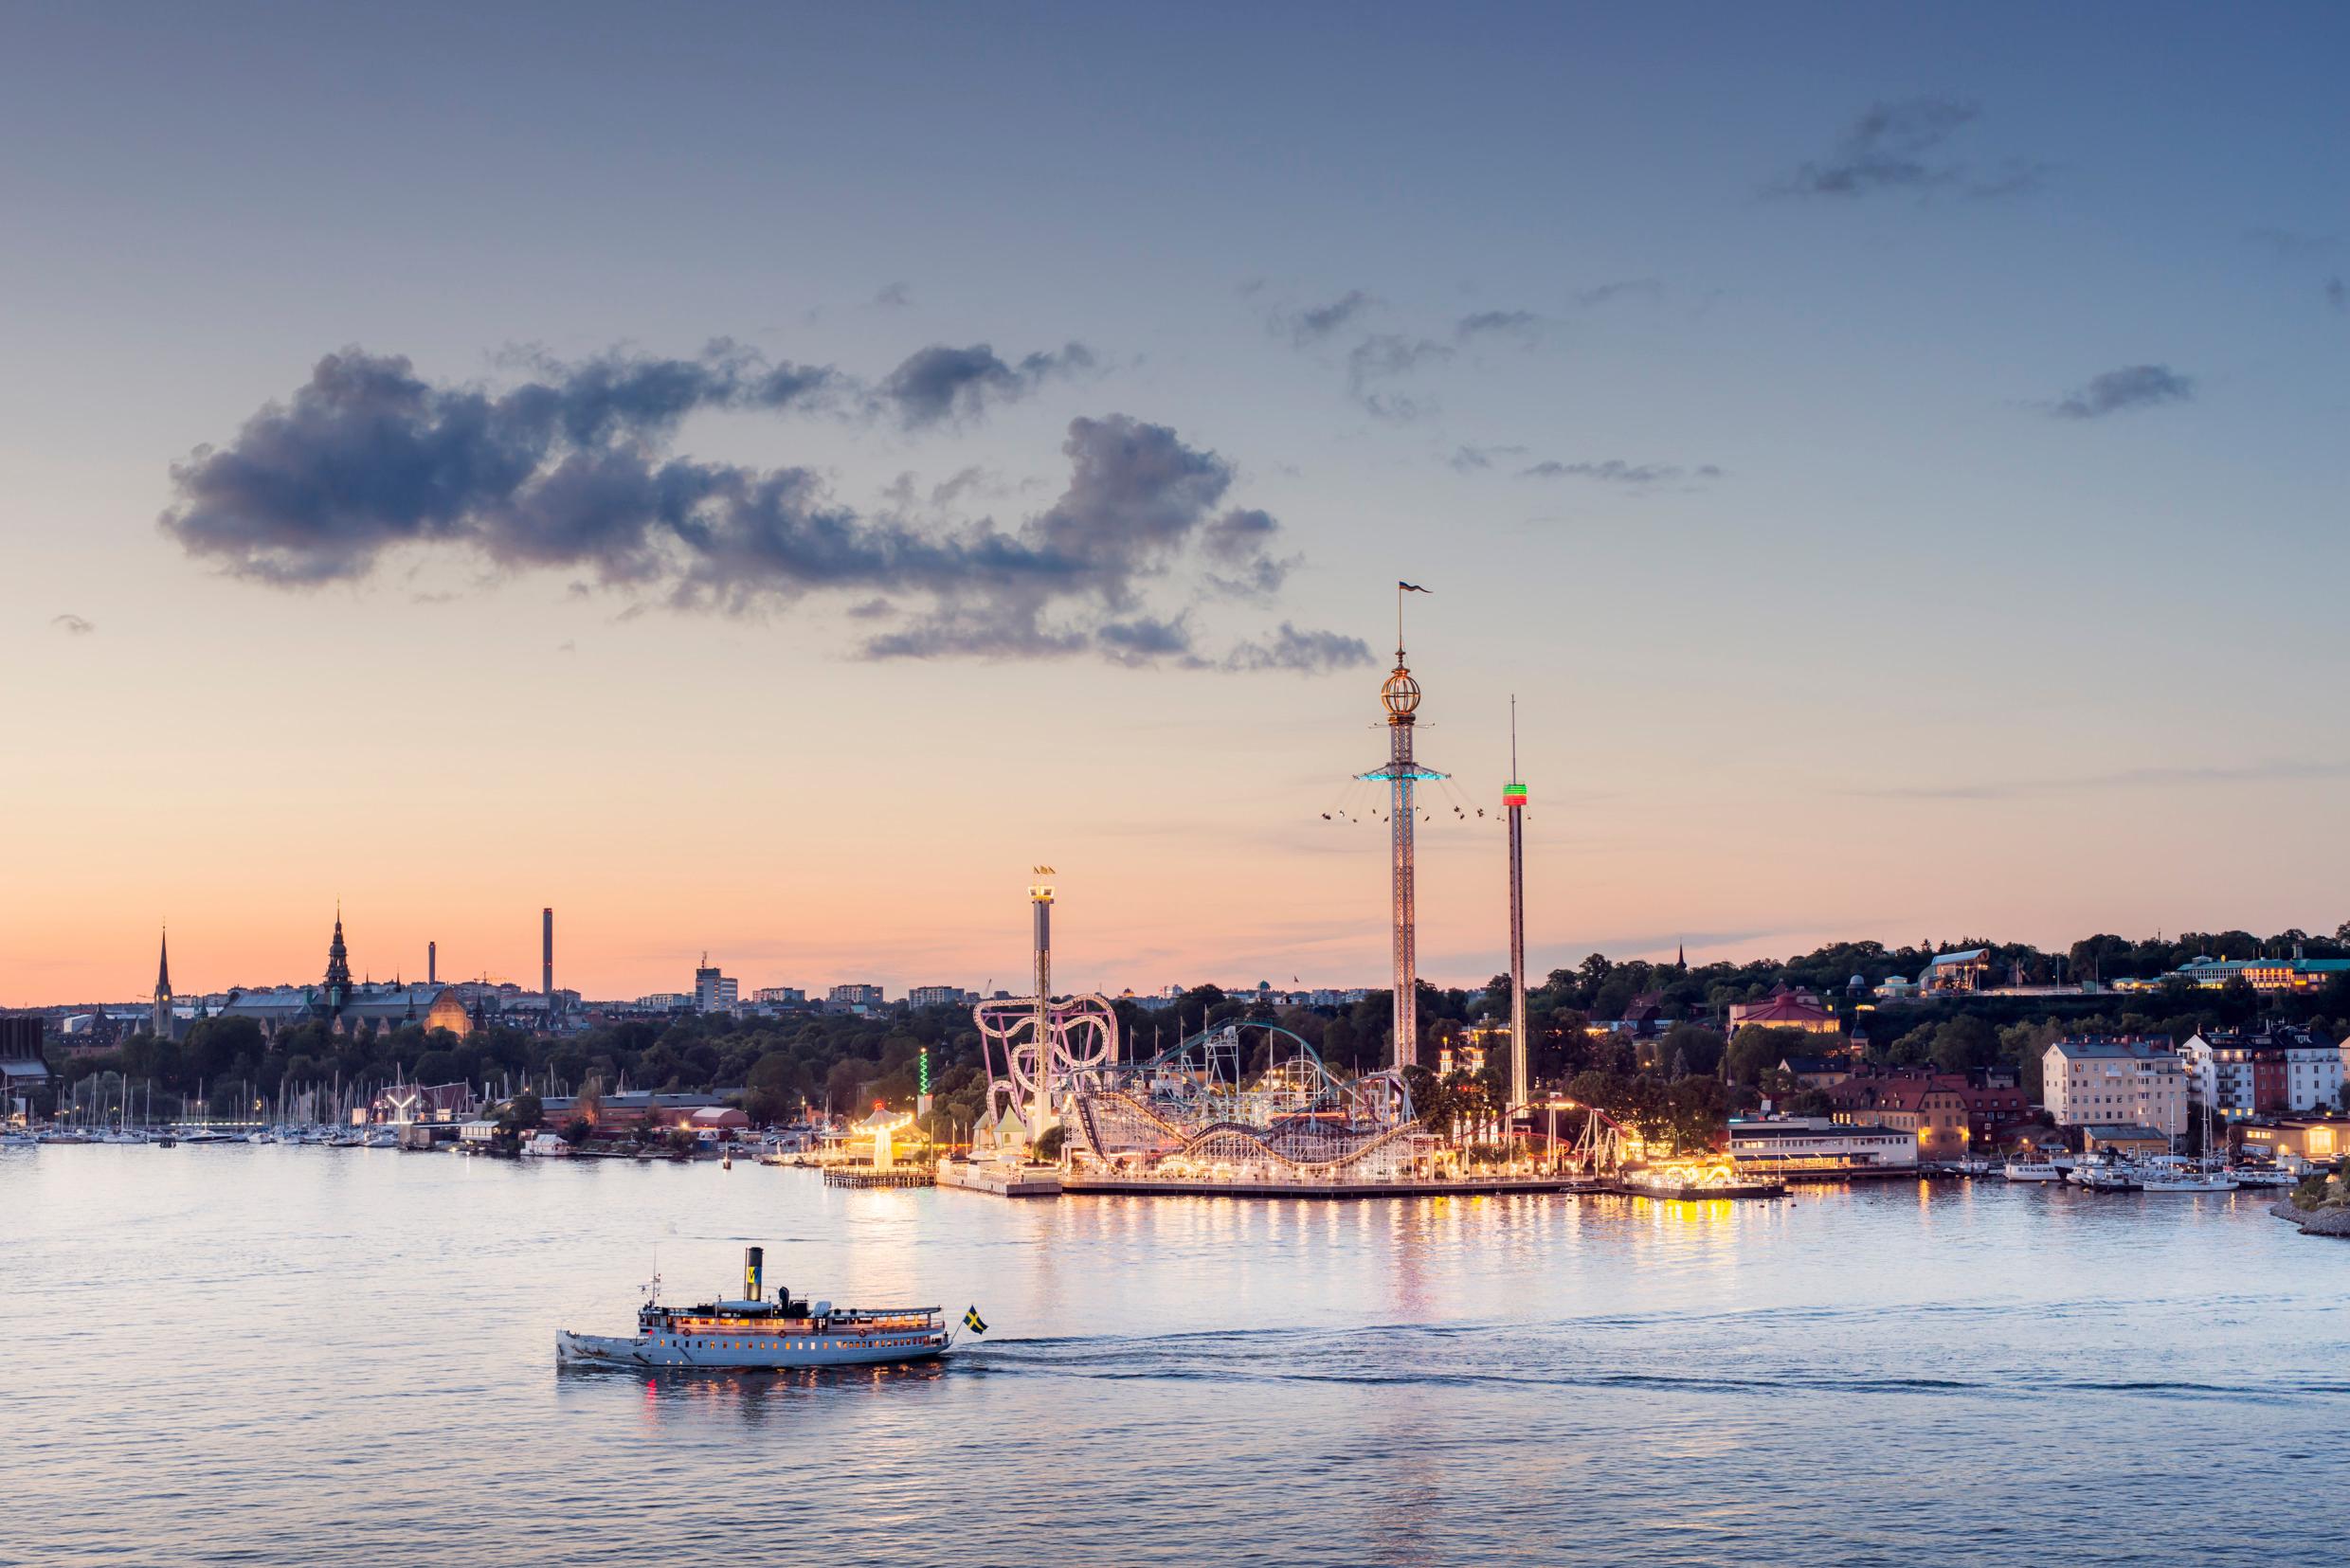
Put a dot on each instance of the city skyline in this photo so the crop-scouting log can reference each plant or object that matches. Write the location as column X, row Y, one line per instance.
column 1900, row 508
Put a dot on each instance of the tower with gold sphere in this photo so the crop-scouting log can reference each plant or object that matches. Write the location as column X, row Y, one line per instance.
column 1400, row 696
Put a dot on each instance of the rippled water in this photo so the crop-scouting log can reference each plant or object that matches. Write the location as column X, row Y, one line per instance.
column 282, row 1356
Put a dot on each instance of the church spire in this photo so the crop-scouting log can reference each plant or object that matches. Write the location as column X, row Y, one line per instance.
column 338, row 969
column 163, row 968
column 160, row 1016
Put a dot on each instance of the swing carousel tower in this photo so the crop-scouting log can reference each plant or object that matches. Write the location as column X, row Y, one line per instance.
column 1399, row 696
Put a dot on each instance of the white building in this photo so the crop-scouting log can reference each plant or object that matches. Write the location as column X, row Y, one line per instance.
column 779, row 994
column 939, row 995
column 2108, row 1081
column 714, row 992
column 2283, row 1069
column 856, row 995
column 1820, row 1145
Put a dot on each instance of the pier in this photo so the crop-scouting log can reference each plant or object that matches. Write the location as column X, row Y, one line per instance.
column 865, row 1176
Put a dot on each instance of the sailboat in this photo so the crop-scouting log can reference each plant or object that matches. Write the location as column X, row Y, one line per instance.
column 2177, row 1176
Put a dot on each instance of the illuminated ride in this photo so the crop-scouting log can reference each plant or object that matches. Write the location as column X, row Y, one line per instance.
column 1703, row 1176
column 1246, row 1102
column 752, row 1333
column 1037, row 1058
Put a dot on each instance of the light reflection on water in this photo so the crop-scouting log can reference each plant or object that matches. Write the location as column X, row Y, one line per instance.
column 282, row 1356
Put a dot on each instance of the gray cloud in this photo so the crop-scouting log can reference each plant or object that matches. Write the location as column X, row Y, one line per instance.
column 892, row 296
column 1623, row 288
column 73, row 625
column 1385, row 357
column 940, row 383
column 2289, row 245
column 2336, row 295
column 1315, row 323
column 1472, row 459
column 1616, row 470
column 1894, row 147
column 2131, row 387
column 569, row 470
column 1523, row 325
column 1305, row 652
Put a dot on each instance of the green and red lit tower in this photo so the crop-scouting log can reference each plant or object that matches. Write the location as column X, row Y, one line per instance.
column 1513, row 805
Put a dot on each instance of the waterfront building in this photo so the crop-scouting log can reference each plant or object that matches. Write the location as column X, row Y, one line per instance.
column 2126, row 1138
column 2106, row 1080
column 1821, row 1145
column 24, row 1071
column 630, row 1108
column 1949, row 1115
column 403, row 1104
column 1785, row 1008
column 2280, row 1068
column 2291, row 1139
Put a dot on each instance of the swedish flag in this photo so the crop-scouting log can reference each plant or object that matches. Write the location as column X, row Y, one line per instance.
column 971, row 1321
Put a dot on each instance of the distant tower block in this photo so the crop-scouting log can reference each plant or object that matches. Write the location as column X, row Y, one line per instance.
column 1399, row 696
column 547, row 955
column 1513, row 803
column 432, row 963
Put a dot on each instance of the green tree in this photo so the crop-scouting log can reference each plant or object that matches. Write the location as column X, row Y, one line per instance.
column 1963, row 1044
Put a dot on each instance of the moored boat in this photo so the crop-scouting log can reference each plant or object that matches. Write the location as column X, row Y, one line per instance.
column 753, row 1333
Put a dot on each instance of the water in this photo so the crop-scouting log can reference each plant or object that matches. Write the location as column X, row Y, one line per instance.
column 293, row 1356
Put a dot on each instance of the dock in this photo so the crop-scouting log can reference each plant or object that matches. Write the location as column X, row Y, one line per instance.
column 1472, row 1186
column 865, row 1176
column 1002, row 1180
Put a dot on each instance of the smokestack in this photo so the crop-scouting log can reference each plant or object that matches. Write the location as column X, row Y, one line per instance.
column 754, row 1260
column 547, row 955
column 432, row 962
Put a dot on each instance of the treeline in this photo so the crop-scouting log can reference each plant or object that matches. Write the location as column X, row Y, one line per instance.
column 847, row 1062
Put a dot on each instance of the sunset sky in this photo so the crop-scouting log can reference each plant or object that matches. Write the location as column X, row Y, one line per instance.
column 759, row 480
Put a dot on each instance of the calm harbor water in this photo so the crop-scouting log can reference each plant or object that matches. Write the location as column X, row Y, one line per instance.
column 297, row 1355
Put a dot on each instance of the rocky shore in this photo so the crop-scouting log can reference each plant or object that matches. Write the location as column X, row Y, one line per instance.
column 2313, row 1221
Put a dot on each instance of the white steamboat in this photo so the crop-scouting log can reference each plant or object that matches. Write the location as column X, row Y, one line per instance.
column 755, row 1334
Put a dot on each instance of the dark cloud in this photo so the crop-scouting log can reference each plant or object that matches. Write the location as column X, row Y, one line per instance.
column 892, row 296
column 1472, row 459
column 1383, row 357
column 73, row 625
column 1523, row 325
column 2287, row 244
column 1616, row 470
column 1623, row 288
column 940, row 383
column 1896, row 147
column 1145, row 641
column 1307, row 652
column 1317, row 322
column 2131, row 387
column 569, row 470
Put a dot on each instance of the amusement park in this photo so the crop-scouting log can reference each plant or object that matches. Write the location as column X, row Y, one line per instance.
column 1248, row 1108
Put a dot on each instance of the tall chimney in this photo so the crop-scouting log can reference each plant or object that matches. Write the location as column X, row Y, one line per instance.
column 547, row 955
column 755, row 1287
column 432, row 962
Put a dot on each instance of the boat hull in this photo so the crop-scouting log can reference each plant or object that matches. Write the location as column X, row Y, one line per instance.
column 747, row 1353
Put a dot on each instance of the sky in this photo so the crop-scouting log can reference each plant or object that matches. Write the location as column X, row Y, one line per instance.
column 759, row 479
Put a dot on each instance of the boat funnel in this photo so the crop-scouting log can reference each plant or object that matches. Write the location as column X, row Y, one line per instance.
column 754, row 1266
